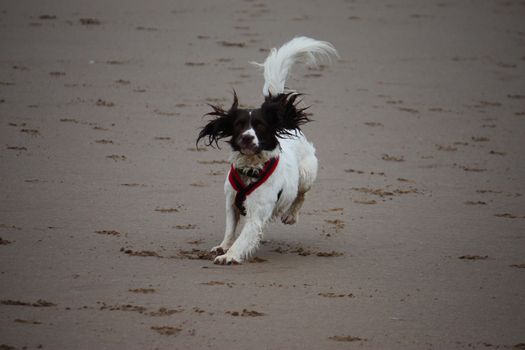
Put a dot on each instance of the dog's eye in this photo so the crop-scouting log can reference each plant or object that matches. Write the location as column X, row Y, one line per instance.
column 257, row 124
column 238, row 124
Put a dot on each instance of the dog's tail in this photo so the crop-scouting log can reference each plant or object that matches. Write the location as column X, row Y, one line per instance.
column 298, row 50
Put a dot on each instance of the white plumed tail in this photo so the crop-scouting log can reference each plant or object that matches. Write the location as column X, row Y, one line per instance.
column 298, row 50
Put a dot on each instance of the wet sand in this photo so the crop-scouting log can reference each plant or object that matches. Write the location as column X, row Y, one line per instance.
column 412, row 238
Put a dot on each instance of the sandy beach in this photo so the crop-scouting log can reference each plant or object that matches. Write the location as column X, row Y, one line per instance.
column 412, row 238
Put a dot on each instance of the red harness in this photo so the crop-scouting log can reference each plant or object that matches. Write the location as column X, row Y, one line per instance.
column 245, row 190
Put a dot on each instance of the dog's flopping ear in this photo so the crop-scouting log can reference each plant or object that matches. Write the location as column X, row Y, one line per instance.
column 283, row 113
column 221, row 126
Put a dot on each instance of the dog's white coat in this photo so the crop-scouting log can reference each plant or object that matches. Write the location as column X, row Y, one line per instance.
column 295, row 173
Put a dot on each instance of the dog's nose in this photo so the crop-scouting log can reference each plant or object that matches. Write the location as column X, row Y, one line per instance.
column 247, row 139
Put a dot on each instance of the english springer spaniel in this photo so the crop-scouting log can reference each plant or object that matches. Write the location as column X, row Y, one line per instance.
column 273, row 166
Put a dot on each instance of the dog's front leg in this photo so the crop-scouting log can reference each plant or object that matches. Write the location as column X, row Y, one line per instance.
column 249, row 238
column 232, row 219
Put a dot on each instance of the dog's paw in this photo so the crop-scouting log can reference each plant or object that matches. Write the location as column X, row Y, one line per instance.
column 226, row 259
column 289, row 219
column 218, row 250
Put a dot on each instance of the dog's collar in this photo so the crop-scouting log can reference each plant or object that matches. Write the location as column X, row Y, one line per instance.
column 244, row 190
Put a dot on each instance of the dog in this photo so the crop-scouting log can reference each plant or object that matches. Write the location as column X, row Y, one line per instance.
column 273, row 165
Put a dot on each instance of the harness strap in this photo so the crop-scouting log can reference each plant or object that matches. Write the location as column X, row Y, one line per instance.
column 245, row 190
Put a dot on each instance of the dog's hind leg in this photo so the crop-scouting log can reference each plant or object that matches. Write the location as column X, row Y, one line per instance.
column 292, row 214
column 232, row 219
column 307, row 175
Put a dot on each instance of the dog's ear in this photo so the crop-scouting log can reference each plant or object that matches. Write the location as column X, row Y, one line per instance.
column 221, row 126
column 283, row 113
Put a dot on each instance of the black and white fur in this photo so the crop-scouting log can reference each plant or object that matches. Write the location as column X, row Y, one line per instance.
column 257, row 135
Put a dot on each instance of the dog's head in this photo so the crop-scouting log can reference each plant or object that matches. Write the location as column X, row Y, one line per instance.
column 255, row 130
